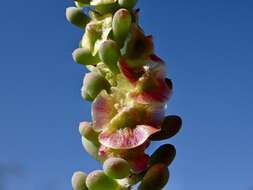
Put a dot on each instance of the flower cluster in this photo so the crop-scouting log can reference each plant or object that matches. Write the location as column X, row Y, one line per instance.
column 128, row 88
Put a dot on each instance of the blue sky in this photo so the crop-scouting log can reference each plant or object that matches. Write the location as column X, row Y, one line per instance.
column 208, row 46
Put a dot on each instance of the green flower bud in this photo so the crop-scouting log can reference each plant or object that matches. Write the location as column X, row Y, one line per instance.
column 155, row 178
column 116, row 168
column 164, row 154
column 109, row 53
column 97, row 180
column 93, row 84
column 91, row 148
column 170, row 127
column 121, row 25
column 83, row 56
column 77, row 17
column 79, row 181
column 86, row 130
column 128, row 4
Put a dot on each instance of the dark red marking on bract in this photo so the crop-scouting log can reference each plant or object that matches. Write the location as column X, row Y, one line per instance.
column 139, row 163
column 160, row 93
column 131, row 74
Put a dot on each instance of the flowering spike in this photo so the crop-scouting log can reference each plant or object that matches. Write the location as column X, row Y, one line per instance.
column 129, row 90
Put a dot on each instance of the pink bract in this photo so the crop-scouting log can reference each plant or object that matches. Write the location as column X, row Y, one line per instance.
column 102, row 111
column 126, row 138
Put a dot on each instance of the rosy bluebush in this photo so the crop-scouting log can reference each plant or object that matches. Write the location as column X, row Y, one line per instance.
column 129, row 91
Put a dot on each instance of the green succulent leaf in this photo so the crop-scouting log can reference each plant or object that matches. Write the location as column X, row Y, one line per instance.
column 121, row 25
column 164, row 154
column 109, row 53
column 79, row 181
column 97, row 180
column 171, row 125
column 155, row 178
column 77, row 17
column 93, row 84
column 91, row 148
column 86, row 130
column 84, row 57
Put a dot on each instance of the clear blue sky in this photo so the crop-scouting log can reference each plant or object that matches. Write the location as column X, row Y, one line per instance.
column 208, row 46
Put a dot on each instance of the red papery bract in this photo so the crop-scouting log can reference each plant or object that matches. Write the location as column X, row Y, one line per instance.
column 126, row 138
column 102, row 111
column 159, row 93
column 131, row 74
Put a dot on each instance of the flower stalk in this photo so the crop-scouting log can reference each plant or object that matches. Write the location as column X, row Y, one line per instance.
column 128, row 88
